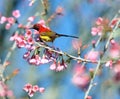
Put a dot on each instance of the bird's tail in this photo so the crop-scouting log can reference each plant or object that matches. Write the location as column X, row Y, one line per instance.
column 66, row 35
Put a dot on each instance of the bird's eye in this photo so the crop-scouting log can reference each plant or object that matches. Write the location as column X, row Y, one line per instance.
column 36, row 28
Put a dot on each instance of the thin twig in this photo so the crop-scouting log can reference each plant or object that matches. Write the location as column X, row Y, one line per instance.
column 6, row 59
column 73, row 57
column 45, row 6
column 99, row 62
column 98, row 41
column 111, row 34
column 3, row 67
column 110, row 37
column 63, row 53
column 96, row 44
column 9, row 53
column 92, row 80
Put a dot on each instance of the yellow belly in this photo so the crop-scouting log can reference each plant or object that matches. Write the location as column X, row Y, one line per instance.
column 46, row 38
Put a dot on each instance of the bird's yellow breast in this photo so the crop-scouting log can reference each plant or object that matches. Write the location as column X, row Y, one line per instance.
column 46, row 38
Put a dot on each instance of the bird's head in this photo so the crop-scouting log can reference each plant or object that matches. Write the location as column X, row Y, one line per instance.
column 36, row 27
column 41, row 28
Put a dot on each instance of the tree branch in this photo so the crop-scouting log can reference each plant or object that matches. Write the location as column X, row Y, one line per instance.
column 99, row 62
column 63, row 53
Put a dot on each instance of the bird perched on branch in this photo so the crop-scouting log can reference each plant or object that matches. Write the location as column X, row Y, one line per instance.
column 46, row 34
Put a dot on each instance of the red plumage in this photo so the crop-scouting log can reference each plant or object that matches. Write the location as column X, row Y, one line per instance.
column 41, row 28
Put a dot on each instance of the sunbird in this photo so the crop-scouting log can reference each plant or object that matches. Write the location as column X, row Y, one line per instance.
column 47, row 34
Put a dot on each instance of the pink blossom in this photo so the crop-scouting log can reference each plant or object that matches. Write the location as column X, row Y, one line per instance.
column 89, row 97
column 31, row 19
column 27, row 87
column 30, row 40
column 36, row 32
column 94, row 31
column 30, row 47
column 41, row 89
column 116, row 71
column 35, row 88
column 97, row 30
column 13, row 37
column 8, row 26
column 77, row 44
column 114, row 50
column 42, row 22
column 28, row 33
column 116, row 68
column 32, row 61
column 109, row 64
column 31, row 2
column 11, row 20
column 59, row 10
column 100, row 30
column 50, row 55
column 59, row 67
column 53, row 66
column 26, row 55
column 91, row 70
column 114, row 22
column 38, row 60
column 93, row 41
column 78, row 69
column 21, row 26
column 99, row 21
column 45, row 60
column 16, row 13
column 3, row 19
column 35, row 60
column 4, row 91
column 80, row 77
column 9, row 93
column 20, row 40
column 112, row 41
column 92, row 55
column 21, row 43
column 81, row 80
column 100, row 26
column 31, row 93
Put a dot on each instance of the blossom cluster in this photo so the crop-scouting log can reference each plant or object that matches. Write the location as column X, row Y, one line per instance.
column 4, row 91
column 103, row 26
column 40, row 54
column 10, row 20
column 114, row 50
column 36, row 55
column 80, row 77
column 31, row 90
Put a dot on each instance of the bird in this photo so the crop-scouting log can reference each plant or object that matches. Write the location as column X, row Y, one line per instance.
column 46, row 34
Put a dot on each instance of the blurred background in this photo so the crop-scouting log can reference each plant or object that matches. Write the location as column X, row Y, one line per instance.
column 77, row 19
